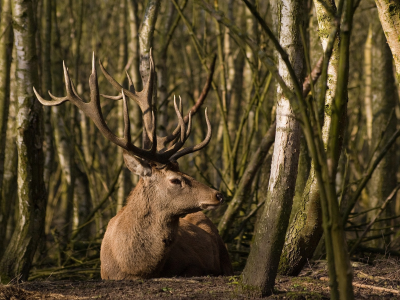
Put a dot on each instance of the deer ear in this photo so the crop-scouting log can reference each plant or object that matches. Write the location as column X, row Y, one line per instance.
column 137, row 165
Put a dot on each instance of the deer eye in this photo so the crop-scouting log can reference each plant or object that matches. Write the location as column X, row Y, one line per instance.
column 176, row 181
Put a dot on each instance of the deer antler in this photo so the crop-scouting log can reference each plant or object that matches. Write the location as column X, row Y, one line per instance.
column 92, row 110
column 143, row 99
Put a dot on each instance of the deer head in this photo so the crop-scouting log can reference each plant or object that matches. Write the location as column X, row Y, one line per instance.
column 156, row 166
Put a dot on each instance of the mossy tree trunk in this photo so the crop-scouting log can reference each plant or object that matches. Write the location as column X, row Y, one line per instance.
column 6, row 41
column 17, row 259
column 10, row 186
column 262, row 264
column 306, row 230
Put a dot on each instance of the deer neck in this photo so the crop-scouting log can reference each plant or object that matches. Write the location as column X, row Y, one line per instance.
column 149, row 230
column 146, row 205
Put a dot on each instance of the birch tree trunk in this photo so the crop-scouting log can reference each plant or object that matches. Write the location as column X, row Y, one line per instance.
column 6, row 40
column 17, row 259
column 10, row 187
column 145, row 44
column 262, row 264
column 306, row 228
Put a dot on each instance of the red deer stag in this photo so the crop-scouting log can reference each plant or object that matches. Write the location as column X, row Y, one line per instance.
column 149, row 237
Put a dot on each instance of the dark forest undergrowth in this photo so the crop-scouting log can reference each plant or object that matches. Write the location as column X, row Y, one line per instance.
column 379, row 279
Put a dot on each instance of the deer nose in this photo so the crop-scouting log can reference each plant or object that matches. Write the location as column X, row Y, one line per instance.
column 220, row 197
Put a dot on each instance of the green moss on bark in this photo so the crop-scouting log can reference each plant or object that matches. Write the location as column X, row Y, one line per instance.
column 17, row 259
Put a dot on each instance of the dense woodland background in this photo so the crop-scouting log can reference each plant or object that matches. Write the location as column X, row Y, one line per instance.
column 61, row 181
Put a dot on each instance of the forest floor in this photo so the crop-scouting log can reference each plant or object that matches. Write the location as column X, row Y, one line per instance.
column 380, row 280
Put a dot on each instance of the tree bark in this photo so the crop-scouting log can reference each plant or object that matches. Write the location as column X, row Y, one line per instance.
column 145, row 44
column 306, row 228
column 389, row 15
column 17, row 260
column 46, row 86
column 6, row 41
column 262, row 264
column 122, row 60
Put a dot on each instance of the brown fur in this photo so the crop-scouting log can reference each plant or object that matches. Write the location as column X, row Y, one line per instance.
column 148, row 238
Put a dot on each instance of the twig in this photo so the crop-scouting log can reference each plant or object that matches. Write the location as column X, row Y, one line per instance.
column 370, row 277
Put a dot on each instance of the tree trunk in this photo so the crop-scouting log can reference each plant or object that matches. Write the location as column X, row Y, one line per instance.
column 6, row 41
column 134, row 44
column 368, row 85
column 306, row 228
column 122, row 60
column 17, row 260
column 134, row 51
column 389, row 15
column 384, row 100
column 145, row 44
column 262, row 264
column 46, row 86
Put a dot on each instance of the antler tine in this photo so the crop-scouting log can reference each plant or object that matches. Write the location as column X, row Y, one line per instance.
column 198, row 146
column 127, row 125
column 130, row 82
column 115, row 83
column 71, row 93
column 57, row 100
column 68, row 85
column 94, row 88
column 119, row 97
column 181, row 122
column 140, row 98
column 189, row 126
column 196, row 106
